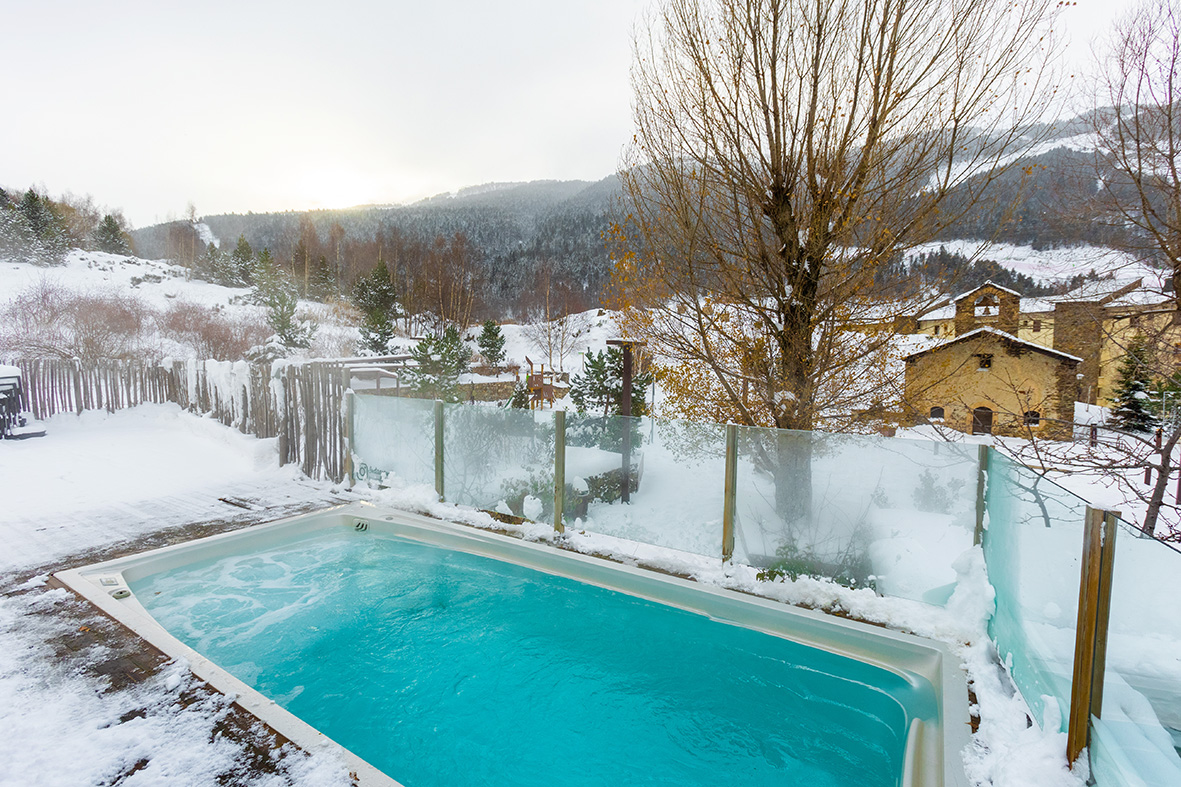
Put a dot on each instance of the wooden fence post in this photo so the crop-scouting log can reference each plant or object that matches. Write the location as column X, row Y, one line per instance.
column 559, row 469
column 439, row 448
column 1090, row 636
column 981, row 489
column 77, row 375
column 1103, row 610
column 350, row 404
column 730, row 498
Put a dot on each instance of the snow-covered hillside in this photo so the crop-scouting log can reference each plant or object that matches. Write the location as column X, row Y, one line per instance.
column 1049, row 266
column 156, row 282
column 161, row 289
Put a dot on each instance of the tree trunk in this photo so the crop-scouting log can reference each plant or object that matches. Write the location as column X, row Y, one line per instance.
column 793, row 476
column 1164, row 470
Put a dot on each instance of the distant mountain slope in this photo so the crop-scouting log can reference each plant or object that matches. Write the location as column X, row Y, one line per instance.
column 552, row 231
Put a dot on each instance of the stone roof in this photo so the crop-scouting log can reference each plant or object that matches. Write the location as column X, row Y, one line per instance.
column 959, row 298
column 1008, row 337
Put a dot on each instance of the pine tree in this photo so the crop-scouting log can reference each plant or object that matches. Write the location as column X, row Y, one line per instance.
column 47, row 241
column 277, row 293
column 601, row 384
column 520, row 400
column 439, row 360
column 110, row 237
column 1133, row 405
column 491, row 343
column 377, row 299
column 37, row 213
column 455, row 352
column 243, row 257
column 323, row 285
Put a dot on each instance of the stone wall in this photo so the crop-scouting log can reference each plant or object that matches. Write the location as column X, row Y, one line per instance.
column 1018, row 379
column 1005, row 315
column 1078, row 330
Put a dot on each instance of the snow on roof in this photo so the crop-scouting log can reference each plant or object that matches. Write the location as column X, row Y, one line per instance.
column 942, row 313
column 959, row 298
column 1095, row 290
column 1002, row 335
column 9, row 371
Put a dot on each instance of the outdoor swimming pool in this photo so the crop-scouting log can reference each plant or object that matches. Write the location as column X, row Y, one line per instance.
column 445, row 657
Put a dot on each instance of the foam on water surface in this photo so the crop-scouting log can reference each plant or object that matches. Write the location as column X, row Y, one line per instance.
column 444, row 668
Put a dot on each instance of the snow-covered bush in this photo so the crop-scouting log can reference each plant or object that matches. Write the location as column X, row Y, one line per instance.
column 208, row 332
column 47, row 320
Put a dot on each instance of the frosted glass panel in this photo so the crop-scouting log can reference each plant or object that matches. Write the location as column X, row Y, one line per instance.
column 393, row 440
column 883, row 512
column 677, row 481
column 1135, row 739
column 1033, row 547
column 499, row 459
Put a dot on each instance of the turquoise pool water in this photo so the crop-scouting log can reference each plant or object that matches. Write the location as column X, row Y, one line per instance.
column 444, row 668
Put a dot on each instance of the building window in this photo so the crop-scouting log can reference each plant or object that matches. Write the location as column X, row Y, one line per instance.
column 1037, row 325
column 936, row 413
column 982, row 421
column 1033, row 418
column 985, row 306
column 985, row 360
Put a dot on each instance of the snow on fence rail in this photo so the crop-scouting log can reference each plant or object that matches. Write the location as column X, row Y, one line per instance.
column 299, row 403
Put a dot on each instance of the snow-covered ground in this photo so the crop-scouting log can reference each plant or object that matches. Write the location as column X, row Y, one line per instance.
column 94, row 482
column 1049, row 265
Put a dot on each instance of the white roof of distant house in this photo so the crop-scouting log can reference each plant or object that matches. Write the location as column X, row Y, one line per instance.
column 1001, row 335
column 1028, row 306
column 1114, row 292
column 1107, row 292
column 9, row 371
column 959, row 298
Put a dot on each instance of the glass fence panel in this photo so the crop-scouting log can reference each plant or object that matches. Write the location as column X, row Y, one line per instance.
column 676, row 480
column 393, row 437
column 866, row 511
column 1136, row 735
column 499, row 459
column 1033, row 547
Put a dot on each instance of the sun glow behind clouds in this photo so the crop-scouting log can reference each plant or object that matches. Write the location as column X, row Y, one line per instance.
column 331, row 187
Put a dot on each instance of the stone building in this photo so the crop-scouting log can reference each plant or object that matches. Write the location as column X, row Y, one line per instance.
column 1093, row 323
column 988, row 381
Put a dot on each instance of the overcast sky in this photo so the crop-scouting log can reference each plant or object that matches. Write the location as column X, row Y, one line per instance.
column 239, row 105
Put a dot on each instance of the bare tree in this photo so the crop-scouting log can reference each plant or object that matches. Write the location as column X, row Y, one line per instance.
column 784, row 150
column 556, row 329
column 1139, row 137
column 1137, row 126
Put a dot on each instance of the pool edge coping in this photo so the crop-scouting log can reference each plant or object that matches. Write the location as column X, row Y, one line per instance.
column 923, row 759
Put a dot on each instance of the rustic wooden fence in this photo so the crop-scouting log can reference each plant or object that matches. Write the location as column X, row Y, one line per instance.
column 299, row 403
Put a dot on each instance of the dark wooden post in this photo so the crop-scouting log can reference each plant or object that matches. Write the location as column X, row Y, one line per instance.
column 625, row 409
column 439, row 479
column 1103, row 610
column 559, row 468
column 1090, row 636
column 350, row 405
